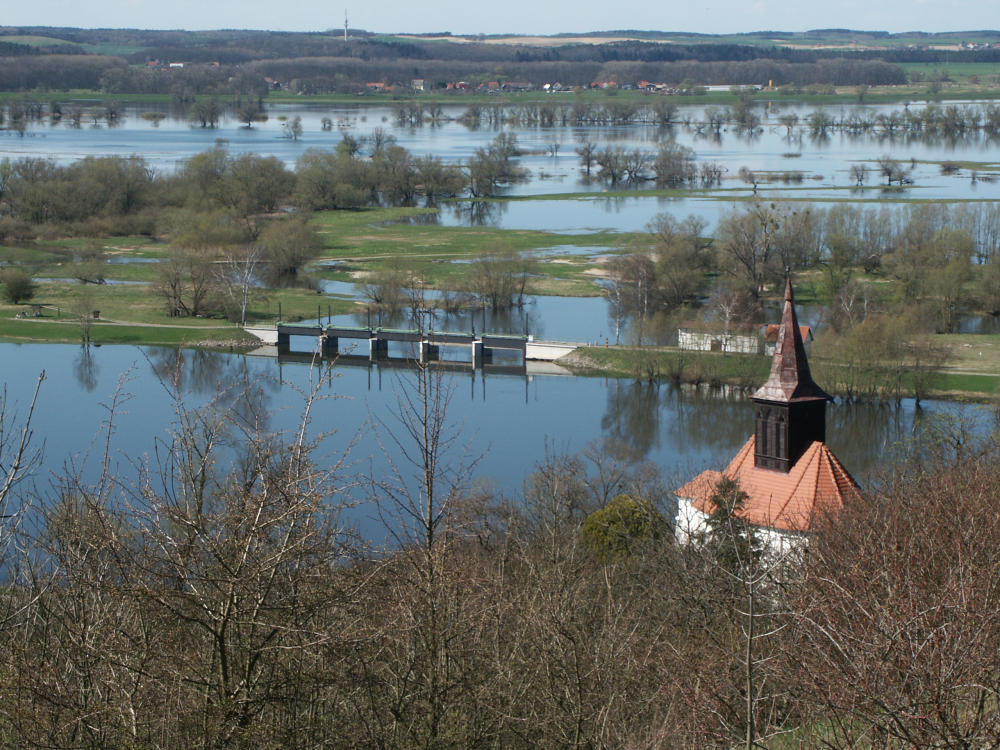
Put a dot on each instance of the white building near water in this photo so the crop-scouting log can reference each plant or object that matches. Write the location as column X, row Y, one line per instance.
column 732, row 342
column 761, row 340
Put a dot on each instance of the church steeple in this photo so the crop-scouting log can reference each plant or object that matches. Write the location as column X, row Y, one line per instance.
column 790, row 407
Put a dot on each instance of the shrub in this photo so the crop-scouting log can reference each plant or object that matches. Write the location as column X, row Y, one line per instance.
column 17, row 285
column 621, row 527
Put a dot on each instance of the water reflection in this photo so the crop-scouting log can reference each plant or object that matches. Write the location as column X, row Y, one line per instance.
column 863, row 435
column 947, row 432
column 202, row 372
column 978, row 324
column 478, row 213
column 631, row 418
column 420, row 220
column 85, row 368
column 706, row 420
column 523, row 319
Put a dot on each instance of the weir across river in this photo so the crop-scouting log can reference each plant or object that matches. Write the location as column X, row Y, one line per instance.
column 480, row 346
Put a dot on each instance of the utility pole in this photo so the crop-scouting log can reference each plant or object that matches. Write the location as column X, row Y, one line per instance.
column 345, row 24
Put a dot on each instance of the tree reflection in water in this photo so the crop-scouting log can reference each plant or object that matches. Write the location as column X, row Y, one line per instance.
column 632, row 417
column 226, row 377
column 479, row 213
column 195, row 370
column 85, row 368
column 707, row 420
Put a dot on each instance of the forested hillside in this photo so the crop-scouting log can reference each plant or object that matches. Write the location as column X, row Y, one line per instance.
column 216, row 62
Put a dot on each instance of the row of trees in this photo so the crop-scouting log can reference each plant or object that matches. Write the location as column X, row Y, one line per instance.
column 672, row 165
column 942, row 260
column 933, row 121
column 347, row 73
column 223, row 603
column 319, row 74
column 953, row 120
column 230, row 45
column 581, row 111
column 217, row 274
column 38, row 191
column 497, row 279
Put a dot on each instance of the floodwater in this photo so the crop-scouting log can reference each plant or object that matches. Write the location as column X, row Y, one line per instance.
column 549, row 156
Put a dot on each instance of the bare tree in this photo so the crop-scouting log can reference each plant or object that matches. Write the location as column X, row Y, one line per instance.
column 418, row 496
column 892, row 170
column 858, row 172
column 895, row 640
column 586, row 152
column 186, row 282
column 241, row 561
column 499, row 277
column 747, row 244
column 17, row 456
column 614, row 293
column 238, row 274
column 293, row 128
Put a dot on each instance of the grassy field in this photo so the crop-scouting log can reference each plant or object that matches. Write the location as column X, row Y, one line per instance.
column 373, row 233
column 972, row 352
column 32, row 40
column 956, row 71
column 66, row 330
column 360, row 242
column 135, row 314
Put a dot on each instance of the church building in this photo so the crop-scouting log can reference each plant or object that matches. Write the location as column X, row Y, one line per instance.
column 789, row 474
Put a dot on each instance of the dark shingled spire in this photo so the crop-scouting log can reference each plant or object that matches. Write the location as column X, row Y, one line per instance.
column 790, row 407
column 790, row 379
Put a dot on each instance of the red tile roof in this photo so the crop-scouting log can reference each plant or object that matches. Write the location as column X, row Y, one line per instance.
column 816, row 484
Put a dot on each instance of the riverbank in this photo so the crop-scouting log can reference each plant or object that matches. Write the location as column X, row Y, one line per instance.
column 746, row 372
column 101, row 332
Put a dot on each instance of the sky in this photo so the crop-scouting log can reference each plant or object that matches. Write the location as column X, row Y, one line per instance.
column 512, row 16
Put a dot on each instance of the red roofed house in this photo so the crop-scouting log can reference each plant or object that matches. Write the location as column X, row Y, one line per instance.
column 771, row 337
column 786, row 469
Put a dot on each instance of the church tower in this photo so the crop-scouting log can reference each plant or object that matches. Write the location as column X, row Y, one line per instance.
column 790, row 476
column 790, row 408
